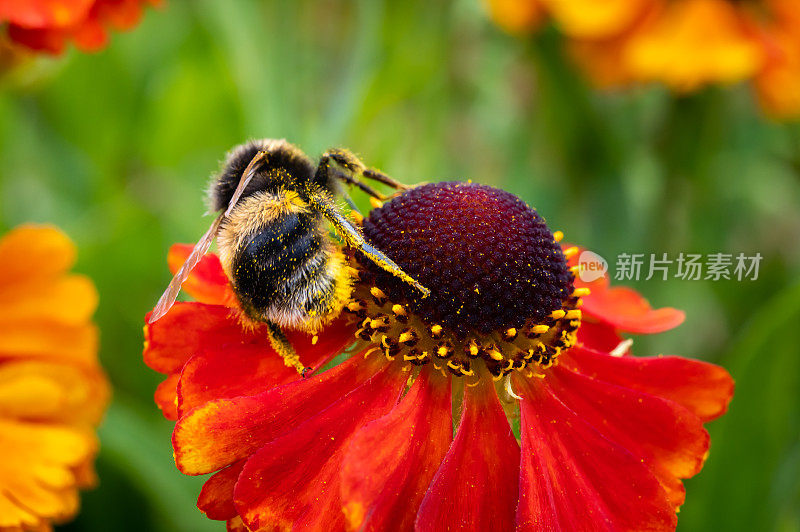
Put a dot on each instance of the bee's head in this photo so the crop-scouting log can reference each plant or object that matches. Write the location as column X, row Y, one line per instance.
column 284, row 165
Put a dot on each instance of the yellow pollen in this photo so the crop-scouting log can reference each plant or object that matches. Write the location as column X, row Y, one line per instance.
column 376, row 203
column 573, row 314
column 557, row 314
column 314, row 339
column 576, row 269
column 540, row 329
column 580, row 292
column 442, row 351
column 558, row 236
column 357, row 217
column 398, row 310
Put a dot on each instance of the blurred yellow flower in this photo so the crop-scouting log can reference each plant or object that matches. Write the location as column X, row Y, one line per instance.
column 52, row 390
column 516, row 16
column 684, row 44
column 695, row 43
column 590, row 19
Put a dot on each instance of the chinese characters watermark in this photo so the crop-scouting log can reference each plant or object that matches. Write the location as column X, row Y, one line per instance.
column 661, row 266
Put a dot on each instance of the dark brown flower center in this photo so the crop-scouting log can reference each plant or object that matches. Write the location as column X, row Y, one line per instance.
column 502, row 296
column 489, row 260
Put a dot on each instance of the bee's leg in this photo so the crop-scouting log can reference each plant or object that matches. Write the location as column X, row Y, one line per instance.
column 348, row 178
column 284, row 348
column 353, row 164
column 323, row 203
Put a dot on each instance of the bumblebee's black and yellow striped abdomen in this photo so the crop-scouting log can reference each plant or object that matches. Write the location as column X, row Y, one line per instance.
column 290, row 273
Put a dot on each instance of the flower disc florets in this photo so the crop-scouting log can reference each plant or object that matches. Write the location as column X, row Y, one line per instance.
column 489, row 260
column 500, row 286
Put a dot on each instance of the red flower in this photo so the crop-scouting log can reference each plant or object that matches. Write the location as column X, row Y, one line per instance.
column 604, row 437
column 48, row 25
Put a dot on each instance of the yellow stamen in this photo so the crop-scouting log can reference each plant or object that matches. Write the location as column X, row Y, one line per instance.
column 406, row 336
column 571, row 252
column 495, row 354
column 558, row 236
column 473, row 348
column 377, row 292
column 580, row 292
column 355, row 306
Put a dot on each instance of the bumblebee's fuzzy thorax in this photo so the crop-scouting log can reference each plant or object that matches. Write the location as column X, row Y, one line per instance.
column 284, row 164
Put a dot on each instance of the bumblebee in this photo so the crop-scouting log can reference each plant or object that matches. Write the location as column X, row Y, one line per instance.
column 274, row 246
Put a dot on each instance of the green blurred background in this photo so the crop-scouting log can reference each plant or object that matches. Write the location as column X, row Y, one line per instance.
column 116, row 148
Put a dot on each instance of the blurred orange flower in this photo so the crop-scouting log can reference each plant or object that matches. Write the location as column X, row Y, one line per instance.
column 52, row 390
column 778, row 83
column 684, row 44
column 48, row 25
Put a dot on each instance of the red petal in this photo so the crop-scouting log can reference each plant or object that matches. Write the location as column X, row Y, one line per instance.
column 294, row 480
column 166, row 395
column 189, row 328
column 216, row 497
column 45, row 40
column 90, row 35
column 390, row 462
column 705, row 389
column 248, row 369
column 226, row 430
column 120, row 14
column 624, row 309
column 599, row 336
column 44, row 14
column 573, row 478
column 476, row 486
column 207, row 283
column 667, row 437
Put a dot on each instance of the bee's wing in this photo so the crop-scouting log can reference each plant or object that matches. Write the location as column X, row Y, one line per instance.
column 201, row 248
column 247, row 175
column 171, row 293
